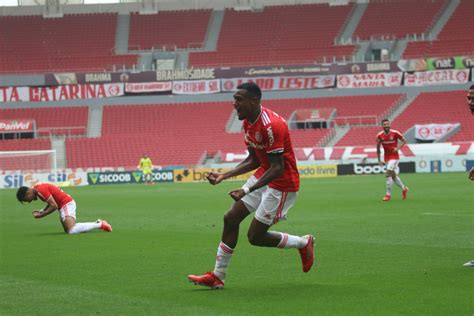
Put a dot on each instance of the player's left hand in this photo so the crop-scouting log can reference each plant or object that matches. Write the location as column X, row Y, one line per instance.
column 237, row 194
column 36, row 214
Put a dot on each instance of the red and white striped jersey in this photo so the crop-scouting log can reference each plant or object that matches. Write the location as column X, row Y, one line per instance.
column 390, row 142
column 269, row 134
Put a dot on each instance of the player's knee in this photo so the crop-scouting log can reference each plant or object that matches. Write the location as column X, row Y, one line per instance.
column 254, row 239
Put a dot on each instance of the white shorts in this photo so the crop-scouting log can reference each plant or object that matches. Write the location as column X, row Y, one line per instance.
column 68, row 210
column 392, row 165
column 269, row 205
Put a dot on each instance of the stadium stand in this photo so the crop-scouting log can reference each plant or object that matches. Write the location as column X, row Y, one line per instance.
column 69, row 121
column 77, row 42
column 278, row 35
column 397, row 19
column 427, row 108
column 438, row 107
column 454, row 39
column 178, row 28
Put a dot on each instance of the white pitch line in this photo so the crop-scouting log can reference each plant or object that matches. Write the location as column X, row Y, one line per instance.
column 443, row 214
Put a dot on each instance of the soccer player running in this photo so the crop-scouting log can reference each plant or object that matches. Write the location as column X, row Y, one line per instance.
column 389, row 139
column 57, row 199
column 146, row 166
column 270, row 192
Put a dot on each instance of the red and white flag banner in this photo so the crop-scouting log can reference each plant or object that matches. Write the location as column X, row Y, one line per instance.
column 60, row 93
column 433, row 131
column 196, row 87
column 147, row 87
column 282, row 83
column 437, row 77
column 370, row 80
column 12, row 126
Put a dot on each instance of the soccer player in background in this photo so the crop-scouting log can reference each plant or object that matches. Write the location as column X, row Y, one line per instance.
column 57, row 199
column 470, row 103
column 146, row 166
column 389, row 139
column 270, row 192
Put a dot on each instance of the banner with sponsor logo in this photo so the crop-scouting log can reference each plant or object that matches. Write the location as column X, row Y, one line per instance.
column 372, row 168
column 370, row 80
column 96, row 178
column 435, row 63
column 433, row 131
column 60, row 93
column 196, row 87
column 437, row 77
column 317, row 171
column 282, row 83
column 361, row 153
column 200, row 174
column 15, row 126
column 148, row 87
column 63, row 178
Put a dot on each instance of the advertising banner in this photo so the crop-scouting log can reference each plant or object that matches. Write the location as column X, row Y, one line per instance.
column 96, row 178
column 14, row 126
column 317, row 171
column 148, row 87
column 196, row 87
column 432, row 131
column 200, row 174
column 360, row 153
column 282, row 83
column 370, row 80
column 372, row 168
column 60, row 93
column 66, row 178
column 437, row 77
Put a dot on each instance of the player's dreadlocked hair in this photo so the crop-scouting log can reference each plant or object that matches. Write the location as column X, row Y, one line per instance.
column 251, row 89
column 21, row 193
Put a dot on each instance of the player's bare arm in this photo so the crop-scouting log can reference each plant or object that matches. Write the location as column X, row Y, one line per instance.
column 378, row 153
column 402, row 143
column 275, row 171
column 50, row 208
column 250, row 163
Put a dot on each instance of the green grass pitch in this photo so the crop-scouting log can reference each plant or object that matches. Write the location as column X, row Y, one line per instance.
column 372, row 258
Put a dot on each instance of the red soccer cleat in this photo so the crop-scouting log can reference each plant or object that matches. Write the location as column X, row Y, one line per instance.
column 404, row 193
column 209, row 279
column 386, row 198
column 307, row 254
column 105, row 226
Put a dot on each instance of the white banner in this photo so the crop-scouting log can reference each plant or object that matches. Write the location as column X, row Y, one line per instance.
column 146, row 87
column 437, row 77
column 12, row 126
column 196, row 86
column 433, row 131
column 370, row 80
column 282, row 83
column 59, row 93
column 362, row 153
column 64, row 178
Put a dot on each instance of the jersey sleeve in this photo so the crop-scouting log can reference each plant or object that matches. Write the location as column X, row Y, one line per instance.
column 399, row 135
column 275, row 136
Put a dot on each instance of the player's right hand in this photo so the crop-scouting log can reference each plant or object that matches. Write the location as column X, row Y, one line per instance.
column 36, row 214
column 471, row 174
column 382, row 163
column 215, row 178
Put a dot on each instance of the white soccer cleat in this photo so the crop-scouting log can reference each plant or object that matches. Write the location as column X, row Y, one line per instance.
column 469, row 264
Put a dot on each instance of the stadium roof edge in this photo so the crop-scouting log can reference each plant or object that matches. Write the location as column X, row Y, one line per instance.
column 37, row 7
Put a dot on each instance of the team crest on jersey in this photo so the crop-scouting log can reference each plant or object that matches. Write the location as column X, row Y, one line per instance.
column 258, row 137
column 391, row 137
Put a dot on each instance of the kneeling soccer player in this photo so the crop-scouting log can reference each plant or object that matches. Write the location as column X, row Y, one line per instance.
column 270, row 192
column 57, row 199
